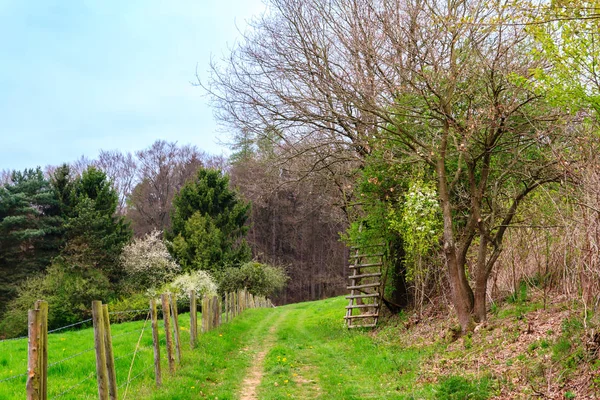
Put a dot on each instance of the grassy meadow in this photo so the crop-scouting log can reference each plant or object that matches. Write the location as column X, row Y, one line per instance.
column 304, row 351
column 72, row 365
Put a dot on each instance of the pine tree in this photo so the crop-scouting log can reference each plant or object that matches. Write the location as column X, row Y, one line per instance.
column 31, row 229
column 209, row 224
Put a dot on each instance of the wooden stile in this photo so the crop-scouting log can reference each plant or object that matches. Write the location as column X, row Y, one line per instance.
column 101, row 371
column 155, row 342
column 365, row 288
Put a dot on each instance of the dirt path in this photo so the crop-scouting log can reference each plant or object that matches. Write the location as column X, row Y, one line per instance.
column 255, row 374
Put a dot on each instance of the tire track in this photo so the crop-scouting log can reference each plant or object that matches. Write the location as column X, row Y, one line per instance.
column 255, row 374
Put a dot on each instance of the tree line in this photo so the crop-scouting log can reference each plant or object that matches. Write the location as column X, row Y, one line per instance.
column 463, row 127
column 66, row 237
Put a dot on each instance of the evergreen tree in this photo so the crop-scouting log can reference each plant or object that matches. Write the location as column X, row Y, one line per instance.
column 31, row 228
column 96, row 235
column 87, row 267
column 209, row 224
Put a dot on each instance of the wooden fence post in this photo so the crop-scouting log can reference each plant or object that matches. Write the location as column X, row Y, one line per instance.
column 208, row 311
column 168, row 333
column 193, row 319
column 175, row 317
column 225, row 315
column 101, row 372
column 203, row 316
column 155, row 342
column 237, row 302
column 42, row 306
column 110, row 357
column 215, row 312
column 33, row 359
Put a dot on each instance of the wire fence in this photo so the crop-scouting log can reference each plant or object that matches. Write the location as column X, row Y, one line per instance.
column 70, row 357
column 55, row 364
column 69, row 389
column 68, row 371
column 62, row 328
column 12, row 339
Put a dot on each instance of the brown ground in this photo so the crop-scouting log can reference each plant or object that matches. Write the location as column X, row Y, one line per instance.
column 515, row 350
column 255, row 374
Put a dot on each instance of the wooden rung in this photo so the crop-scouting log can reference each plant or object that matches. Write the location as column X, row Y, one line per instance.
column 374, row 305
column 365, row 275
column 365, row 265
column 368, row 285
column 362, row 316
column 362, row 296
column 363, row 326
column 368, row 255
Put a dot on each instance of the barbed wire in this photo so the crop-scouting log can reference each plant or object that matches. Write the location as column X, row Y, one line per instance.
column 11, row 339
column 70, row 357
column 74, row 386
column 10, row 378
column 69, row 326
column 76, row 324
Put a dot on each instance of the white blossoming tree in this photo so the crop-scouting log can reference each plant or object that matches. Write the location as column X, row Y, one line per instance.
column 147, row 263
column 199, row 281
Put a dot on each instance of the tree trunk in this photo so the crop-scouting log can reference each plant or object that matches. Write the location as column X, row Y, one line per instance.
column 481, row 279
column 462, row 295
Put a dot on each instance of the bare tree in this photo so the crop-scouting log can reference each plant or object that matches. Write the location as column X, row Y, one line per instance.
column 163, row 169
column 121, row 169
column 295, row 222
column 5, row 175
column 449, row 83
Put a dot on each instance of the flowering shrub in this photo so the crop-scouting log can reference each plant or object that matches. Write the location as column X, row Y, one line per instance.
column 147, row 263
column 419, row 224
column 199, row 281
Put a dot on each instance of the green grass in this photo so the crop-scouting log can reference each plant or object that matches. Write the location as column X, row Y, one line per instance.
column 317, row 356
column 69, row 372
column 308, row 353
column 216, row 368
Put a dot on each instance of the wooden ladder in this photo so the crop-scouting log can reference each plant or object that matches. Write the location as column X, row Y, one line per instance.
column 365, row 287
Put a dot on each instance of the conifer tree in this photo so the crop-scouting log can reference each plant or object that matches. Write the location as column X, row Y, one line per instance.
column 209, row 224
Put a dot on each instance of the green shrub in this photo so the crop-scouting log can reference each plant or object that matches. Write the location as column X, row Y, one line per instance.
column 14, row 320
column 259, row 279
column 459, row 388
column 520, row 295
column 68, row 290
column 122, row 308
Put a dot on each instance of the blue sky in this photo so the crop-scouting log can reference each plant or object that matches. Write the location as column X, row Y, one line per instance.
column 77, row 76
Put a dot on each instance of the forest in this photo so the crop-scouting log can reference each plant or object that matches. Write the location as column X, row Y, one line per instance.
column 463, row 135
